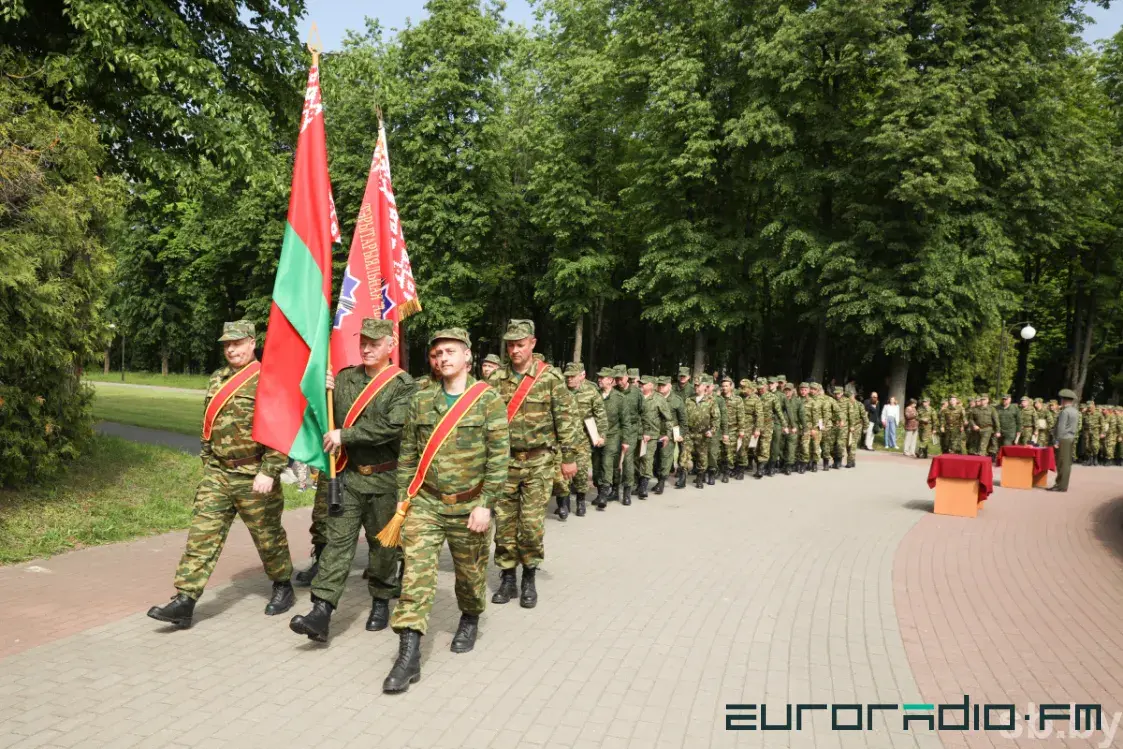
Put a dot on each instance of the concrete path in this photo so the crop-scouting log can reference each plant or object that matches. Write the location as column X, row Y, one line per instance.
column 98, row 383
column 173, row 440
column 652, row 619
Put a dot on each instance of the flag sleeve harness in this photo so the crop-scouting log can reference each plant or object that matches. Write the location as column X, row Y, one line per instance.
column 225, row 393
column 370, row 392
column 523, row 390
column 390, row 536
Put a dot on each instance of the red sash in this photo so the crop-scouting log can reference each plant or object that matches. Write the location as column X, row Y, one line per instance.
column 370, row 392
column 523, row 390
column 445, row 427
column 225, row 393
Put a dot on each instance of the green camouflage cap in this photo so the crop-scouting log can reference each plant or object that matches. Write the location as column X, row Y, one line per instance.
column 236, row 331
column 816, row 387
column 804, row 385
column 773, row 380
column 726, row 379
column 1053, row 402
column 746, row 383
column 1024, row 398
column 573, row 369
column 762, row 382
column 606, row 372
column 1039, row 400
column 837, row 390
column 789, row 386
column 926, row 399
column 492, row 359
column 781, row 378
column 633, row 372
column 1005, row 396
column 684, row 371
column 647, row 380
column 451, row 334
column 373, row 328
column 517, row 330
column 953, row 395
column 661, row 381
column 620, row 370
column 707, row 379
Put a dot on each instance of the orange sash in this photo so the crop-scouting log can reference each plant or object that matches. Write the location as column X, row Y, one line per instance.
column 370, row 392
column 225, row 393
column 445, row 427
column 523, row 390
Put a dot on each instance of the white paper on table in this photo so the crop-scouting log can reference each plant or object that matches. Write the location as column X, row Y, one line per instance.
column 753, row 441
column 676, row 432
column 642, row 448
column 591, row 428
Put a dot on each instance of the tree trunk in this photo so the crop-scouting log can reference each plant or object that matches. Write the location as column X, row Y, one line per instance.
column 898, row 377
column 164, row 363
column 699, row 352
column 819, row 362
column 578, row 338
column 107, row 361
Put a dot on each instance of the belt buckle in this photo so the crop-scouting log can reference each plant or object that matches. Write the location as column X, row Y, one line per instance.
column 366, row 470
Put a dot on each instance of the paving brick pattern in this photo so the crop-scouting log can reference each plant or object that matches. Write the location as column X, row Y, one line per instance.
column 1023, row 604
column 651, row 619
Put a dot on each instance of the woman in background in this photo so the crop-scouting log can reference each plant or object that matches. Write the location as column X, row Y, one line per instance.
column 890, row 415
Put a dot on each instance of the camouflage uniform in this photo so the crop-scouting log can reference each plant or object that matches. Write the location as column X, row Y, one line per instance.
column 657, row 423
column 835, row 430
column 703, row 416
column 1008, row 422
column 858, row 419
column 1051, row 419
column 735, row 429
column 678, row 408
column 752, row 410
column 796, row 422
column 606, row 460
column 984, row 422
column 543, row 425
column 1041, row 423
column 231, row 460
column 369, row 480
column 1093, row 432
column 765, row 424
column 1026, row 427
column 590, row 405
column 468, row 472
column 926, row 417
column 811, row 422
column 720, row 433
column 632, row 402
column 952, row 427
column 683, row 390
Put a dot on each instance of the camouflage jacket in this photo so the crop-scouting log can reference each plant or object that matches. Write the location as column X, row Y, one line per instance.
column 589, row 404
column 1026, row 423
column 478, row 451
column 954, row 419
column 833, row 414
column 657, row 418
column 753, row 409
column 686, row 392
column 1008, row 419
column 734, row 416
column 232, row 431
column 547, row 416
column 618, row 417
column 633, row 401
column 926, row 415
column 376, row 436
column 678, row 408
column 703, row 415
column 779, row 413
column 723, row 420
column 794, row 413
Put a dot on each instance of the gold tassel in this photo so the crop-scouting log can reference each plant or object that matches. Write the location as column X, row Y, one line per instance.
column 391, row 535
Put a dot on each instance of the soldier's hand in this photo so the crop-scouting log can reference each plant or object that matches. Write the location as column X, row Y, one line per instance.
column 569, row 470
column 725, row 439
column 663, row 440
column 479, row 520
column 599, row 442
column 330, row 384
column 756, row 433
column 262, row 484
column 333, row 440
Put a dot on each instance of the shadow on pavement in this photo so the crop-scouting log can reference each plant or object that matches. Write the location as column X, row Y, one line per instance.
column 1107, row 522
column 921, row 505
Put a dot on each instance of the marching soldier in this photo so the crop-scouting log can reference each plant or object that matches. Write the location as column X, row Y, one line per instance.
column 632, row 401
column 926, row 418
column 830, row 429
column 752, row 410
column 779, row 423
column 734, row 437
column 765, row 424
column 657, row 423
column 488, row 366
column 239, row 480
column 953, row 426
column 452, row 469
column 606, row 460
column 984, row 421
column 540, row 414
column 589, row 405
column 678, row 408
column 1026, row 422
column 684, row 388
column 796, row 422
column 1040, row 422
column 704, row 417
column 1008, row 421
column 720, row 435
column 839, row 441
column 375, row 399
column 858, row 419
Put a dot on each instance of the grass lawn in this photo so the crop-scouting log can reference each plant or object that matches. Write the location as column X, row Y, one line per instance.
column 118, row 490
column 176, row 412
column 195, row 382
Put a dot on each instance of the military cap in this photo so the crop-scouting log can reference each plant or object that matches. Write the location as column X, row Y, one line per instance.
column 573, row 369
column 762, row 382
column 1066, row 393
column 236, row 331
column 772, row 380
column 1053, row 402
column 633, row 372
column 707, row 379
column 451, row 334
column 684, row 371
column 620, row 370
column 781, row 378
column 850, row 390
column 726, row 379
column 606, row 372
column 492, row 359
column 1005, row 396
column 926, row 399
column 373, row 328
column 804, row 385
column 647, row 380
column 517, row 330
column 789, row 386
column 1024, row 398
column 837, row 390
column 661, row 381
column 1091, row 402
column 745, row 383
column 953, row 395
column 1039, row 400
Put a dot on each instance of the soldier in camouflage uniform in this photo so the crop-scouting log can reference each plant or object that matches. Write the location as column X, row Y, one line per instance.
column 590, row 405
column 459, row 492
column 1040, row 423
column 658, row 421
column 1051, row 419
column 717, row 428
column 1026, row 419
column 633, row 400
column 831, row 446
column 766, row 424
column 684, row 388
column 678, row 408
column 752, row 411
column 796, row 419
column 240, row 479
column 1008, row 421
column 837, row 444
column 488, row 366
column 606, row 460
column 858, row 419
column 953, row 426
column 543, row 426
column 704, row 417
column 369, row 482
column 779, row 423
column 721, row 434
column 926, row 417
column 983, row 422
column 1093, row 429
column 803, row 437
column 734, row 427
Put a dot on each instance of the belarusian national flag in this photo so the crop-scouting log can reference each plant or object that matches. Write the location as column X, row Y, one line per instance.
column 291, row 413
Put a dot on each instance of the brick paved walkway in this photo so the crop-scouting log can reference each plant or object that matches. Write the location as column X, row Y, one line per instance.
column 651, row 619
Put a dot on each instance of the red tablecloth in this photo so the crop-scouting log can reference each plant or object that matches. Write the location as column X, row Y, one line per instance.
column 975, row 467
column 1043, row 457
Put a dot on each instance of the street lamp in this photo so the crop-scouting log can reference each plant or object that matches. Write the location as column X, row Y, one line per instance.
column 1027, row 333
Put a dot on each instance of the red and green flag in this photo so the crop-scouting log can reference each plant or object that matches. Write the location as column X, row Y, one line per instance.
column 291, row 414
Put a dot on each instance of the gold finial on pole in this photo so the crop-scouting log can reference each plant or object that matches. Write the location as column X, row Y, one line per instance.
column 315, row 44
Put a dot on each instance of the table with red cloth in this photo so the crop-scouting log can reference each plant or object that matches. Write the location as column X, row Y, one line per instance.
column 1044, row 459
column 973, row 467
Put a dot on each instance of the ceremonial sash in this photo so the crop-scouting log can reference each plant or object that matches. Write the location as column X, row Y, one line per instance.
column 445, row 427
column 370, row 392
column 523, row 390
column 225, row 393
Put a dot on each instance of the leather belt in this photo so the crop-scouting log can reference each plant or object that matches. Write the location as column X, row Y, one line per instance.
column 380, row 468
column 452, row 499
column 240, row 461
column 529, row 454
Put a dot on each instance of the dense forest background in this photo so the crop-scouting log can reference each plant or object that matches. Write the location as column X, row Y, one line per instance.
column 879, row 190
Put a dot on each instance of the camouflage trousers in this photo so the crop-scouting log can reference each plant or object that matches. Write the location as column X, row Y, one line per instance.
column 695, row 451
column 856, row 433
column 1091, row 444
column 371, row 512
column 791, row 445
column 953, row 441
column 829, row 445
column 581, row 482
column 628, row 470
column 745, row 454
column 220, row 498
column 716, row 450
column 658, row 461
column 319, row 528
column 729, row 452
column 982, row 441
column 924, row 438
column 764, row 445
column 424, row 532
column 606, row 463
column 520, row 514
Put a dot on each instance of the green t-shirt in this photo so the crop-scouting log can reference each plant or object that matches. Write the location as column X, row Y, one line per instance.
column 450, row 399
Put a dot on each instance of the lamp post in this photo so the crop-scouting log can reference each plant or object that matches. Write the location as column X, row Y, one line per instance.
column 1027, row 333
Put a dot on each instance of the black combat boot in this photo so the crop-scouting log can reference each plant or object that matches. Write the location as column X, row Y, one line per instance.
column 562, row 511
column 177, row 613
column 626, row 498
column 507, row 587
column 850, row 463
column 602, row 498
column 305, row 577
column 699, row 480
column 315, row 623
column 407, row 669
column 710, row 477
column 814, row 466
column 838, row 462
column 725, row 475
column 680, row 479
column 614, row 495
column 282, row 599
column 660, row 485
column 641, row 490
column 759, row 473
column 465, row 638
column 379, row 615
column 581, row 505
column 801, row 468
column 528, row 599
column 739, row 474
